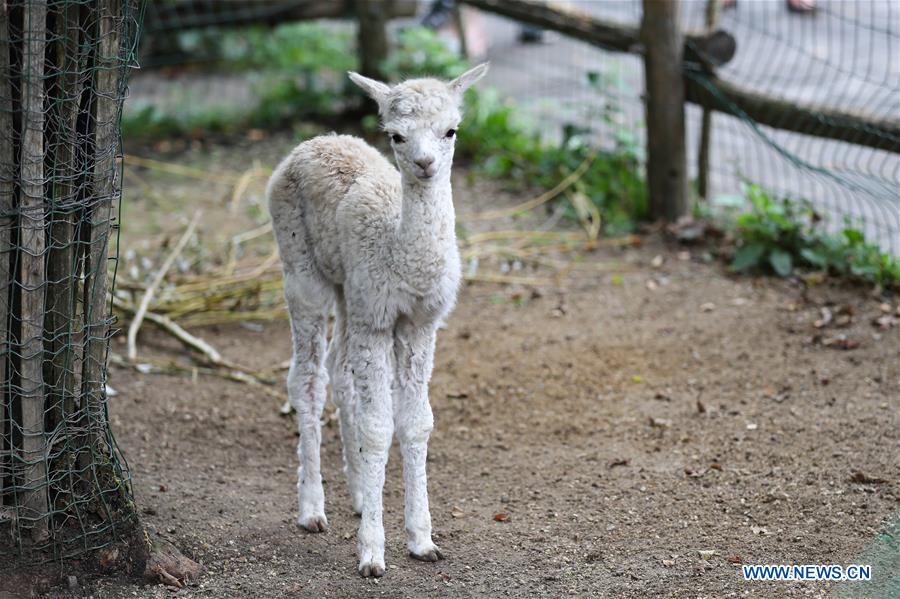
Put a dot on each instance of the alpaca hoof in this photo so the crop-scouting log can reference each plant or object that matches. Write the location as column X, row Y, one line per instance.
column 371, row 570
column 313, row 523
column 432, row 555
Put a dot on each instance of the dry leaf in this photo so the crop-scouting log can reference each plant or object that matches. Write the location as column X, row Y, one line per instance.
column 826, row 318
column 865, row 479
column 886, row 322
column 501, row 517
column 840, row 342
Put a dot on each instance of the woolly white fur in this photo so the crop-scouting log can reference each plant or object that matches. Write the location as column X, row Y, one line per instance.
column 379, row 246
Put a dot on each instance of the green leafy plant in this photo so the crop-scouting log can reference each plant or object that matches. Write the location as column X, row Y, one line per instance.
column 504, row 145
column 781, row 236
column 420, row 52
column 296, row 70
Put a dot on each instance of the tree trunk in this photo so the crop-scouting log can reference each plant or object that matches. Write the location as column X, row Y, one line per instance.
column 7, row 189
column 32, row 277
column 61, row 89
column 666, row 159
column 105, row 197
column 59, row 325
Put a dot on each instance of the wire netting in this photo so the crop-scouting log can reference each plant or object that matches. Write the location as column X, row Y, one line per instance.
column 842, row 59
column 64, row 487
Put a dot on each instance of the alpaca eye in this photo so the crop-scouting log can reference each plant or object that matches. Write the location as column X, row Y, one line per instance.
column 450, row 133
column 397, row 138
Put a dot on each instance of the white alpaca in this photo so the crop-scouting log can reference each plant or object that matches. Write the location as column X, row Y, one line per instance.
column 380, row 246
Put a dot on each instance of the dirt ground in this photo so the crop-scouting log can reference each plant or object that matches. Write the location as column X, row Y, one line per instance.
column 623, row 420
column 535, row 405
column 592, row 438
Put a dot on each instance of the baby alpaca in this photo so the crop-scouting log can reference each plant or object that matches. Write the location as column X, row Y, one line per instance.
column 380, row 247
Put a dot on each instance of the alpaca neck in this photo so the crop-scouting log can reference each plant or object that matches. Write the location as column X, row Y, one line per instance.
column 426, row 233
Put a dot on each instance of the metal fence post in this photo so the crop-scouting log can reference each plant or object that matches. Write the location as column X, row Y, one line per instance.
column 666, row 161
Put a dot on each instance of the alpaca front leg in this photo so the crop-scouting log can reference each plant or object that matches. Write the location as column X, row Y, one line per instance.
column 413, row 420
column 369, row 355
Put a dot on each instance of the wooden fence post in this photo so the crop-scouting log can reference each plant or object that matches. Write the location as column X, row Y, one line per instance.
column 373, row 40
column 666, row 160
column 712, row 21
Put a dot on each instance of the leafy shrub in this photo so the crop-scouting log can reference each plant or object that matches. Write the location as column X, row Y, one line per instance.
column 781, row 235
column 420, row 52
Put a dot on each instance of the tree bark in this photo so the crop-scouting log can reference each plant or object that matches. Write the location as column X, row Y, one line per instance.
column 666, row 158
column 32, row 276
column 59, row 323
column 104, row 199
column 7, row 189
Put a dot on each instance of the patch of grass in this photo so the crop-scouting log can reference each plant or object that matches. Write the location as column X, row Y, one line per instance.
column 781, row 236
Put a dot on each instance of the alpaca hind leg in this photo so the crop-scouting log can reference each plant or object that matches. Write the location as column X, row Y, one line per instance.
column 306, row 381
column 342, row 394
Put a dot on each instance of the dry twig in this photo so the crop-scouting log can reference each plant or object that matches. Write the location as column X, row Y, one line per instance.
column 135, row 325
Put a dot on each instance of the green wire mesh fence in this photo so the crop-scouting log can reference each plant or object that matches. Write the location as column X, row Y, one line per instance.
column 839, row 68
column 64, row 487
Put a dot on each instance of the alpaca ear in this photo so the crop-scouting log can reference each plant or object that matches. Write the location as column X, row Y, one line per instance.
column 468, row 79
column 376, row 90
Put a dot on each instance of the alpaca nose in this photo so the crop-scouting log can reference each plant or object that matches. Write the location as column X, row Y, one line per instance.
column 424, row 163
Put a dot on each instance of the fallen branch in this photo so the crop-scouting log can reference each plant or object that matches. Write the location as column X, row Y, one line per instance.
column 135, row 325
column 173, row 368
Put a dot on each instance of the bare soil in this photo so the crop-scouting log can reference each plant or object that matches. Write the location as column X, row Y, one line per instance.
column 592, row 438
column 577, row 414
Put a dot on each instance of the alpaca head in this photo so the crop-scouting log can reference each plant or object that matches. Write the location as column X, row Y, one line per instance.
column 420, row 117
